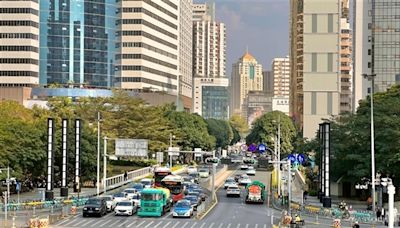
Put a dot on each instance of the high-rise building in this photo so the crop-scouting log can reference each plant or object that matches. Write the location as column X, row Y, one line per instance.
column 376, row 45
column 346, row 63
column 268, row 79
column 281, row 73
column 315, row 57
column 19, row 43
column 209, row 63
column 78, row 42
column 246, row 76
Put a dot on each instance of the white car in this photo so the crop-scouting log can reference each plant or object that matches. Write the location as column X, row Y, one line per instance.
column 146, row 182
column 191, row 169
column 125, row 208
column 229, row 181
column 136, row 199
column 233, row 190
column 130, row 192
column 204, row 173
column 244, row 167
column 251, row 171
column 244, row 180
column 109, row 202
column 120, row 197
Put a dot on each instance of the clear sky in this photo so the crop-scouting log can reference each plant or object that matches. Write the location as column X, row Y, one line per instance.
column 262, row 25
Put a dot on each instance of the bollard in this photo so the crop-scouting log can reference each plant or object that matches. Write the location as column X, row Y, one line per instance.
column 316, row 219
column 52, row 210
column 13, row 224
column 34, row 211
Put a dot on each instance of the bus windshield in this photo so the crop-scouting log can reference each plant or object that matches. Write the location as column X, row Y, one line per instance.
column 147, row 196
column 159, row 175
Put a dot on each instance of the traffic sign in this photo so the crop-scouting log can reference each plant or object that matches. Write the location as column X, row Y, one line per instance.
column 160, row 157
column 252, row 147
column 301, row 158
column 262, row 148
column 173, row 151
column 243, row 147
column 18, row 187
column 291, row 158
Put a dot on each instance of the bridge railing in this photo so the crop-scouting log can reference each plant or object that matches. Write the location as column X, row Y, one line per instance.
column 119, row 180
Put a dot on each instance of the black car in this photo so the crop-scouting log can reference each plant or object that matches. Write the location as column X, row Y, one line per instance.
column 95, row 206
column 195, row 176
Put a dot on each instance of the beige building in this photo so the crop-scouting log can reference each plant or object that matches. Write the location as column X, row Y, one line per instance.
column 315, row 57
column 346, row 61
column 281, row 72
column 19, row 43
column 247, row 75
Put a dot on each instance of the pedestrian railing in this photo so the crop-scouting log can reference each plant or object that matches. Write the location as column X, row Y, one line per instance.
column 119, row 180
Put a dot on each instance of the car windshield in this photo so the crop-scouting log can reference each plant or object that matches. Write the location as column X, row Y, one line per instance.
column 119, row 195
column 107, row 198
column 124, row 204
column 203, row 170
column 145, row 182
column 182, row 204
column 175, row 189
column 137, row 186
column 191, row 197
column 194, row 175
column 232, row 188
column 130, row 191
column 136, row 196
column 229, row 181
column 148, row 196
column 93, row 202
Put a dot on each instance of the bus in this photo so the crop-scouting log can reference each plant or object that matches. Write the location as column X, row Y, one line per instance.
column 175, row 184
column 159, row 174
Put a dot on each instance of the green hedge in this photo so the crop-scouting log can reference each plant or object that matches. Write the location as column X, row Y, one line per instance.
column 136, row 162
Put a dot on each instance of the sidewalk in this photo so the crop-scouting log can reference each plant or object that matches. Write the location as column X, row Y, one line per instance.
column 38, row 194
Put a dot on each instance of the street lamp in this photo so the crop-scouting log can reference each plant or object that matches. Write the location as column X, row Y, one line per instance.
column 171, row 136
column 6, row 198
column 289, row 181
column 98, row 153
column 371, row 77
column 278, row 149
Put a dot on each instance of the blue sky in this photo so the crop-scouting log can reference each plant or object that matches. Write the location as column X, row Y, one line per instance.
column 262, row 25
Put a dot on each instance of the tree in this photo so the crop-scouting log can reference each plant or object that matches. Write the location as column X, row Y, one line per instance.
column 236, row 136
column 265, row 130
column 240, row 124
column 221, row 130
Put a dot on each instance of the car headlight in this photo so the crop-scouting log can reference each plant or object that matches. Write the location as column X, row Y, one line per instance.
column 187, row 213
column 85, row 209
column 96, row 209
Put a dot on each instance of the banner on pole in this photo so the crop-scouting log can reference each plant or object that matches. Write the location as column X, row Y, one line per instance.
column 131, row 147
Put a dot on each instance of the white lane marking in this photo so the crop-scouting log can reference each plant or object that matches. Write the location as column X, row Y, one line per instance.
column 265, row 225
column 166, row 225
column 134, row 221
column 175, row 224
column 193, row 225
column 71, row 221
column 202, row 225
column 62, row 222
column 141, row 224
column 220, row 225
column 212, row 224
column 247, row 225
column 185, row 224
column 149, row 224
column 157, row 224
column 94, row 224
column 238, row 225
column 123, row 223
column 229, row 225
column 256, row 226
column 115, row 223
column 106, row 223
column 86, row 223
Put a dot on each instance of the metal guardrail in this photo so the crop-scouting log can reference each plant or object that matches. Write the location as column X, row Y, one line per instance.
column 119, row 180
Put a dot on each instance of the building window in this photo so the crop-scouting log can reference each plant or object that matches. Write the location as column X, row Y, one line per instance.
column 314, row 22
column 314, row 62
column 329, row 103
column 330, row 62
column 313, row 103
column 330, row 23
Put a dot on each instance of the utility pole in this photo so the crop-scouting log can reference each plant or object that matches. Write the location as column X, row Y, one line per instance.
column 105, row 165
column 98, row 154
column 279, row 153
column 289, row 187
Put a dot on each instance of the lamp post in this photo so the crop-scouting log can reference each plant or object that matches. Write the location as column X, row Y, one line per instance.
column 105, row 165
column 289, row 179
column 170, row 146
column 371, row 78
column 6, row 198
column 98, row 154
column 278, row 150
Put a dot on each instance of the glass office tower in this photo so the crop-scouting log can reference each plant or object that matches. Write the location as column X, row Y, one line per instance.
column 215, row 101
column 77, row 42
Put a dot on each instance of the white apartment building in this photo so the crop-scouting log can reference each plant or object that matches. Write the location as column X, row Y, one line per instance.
column 209, row 61
column 247, row 75
column 149, row 42
column 19, row 43
column 281, row 74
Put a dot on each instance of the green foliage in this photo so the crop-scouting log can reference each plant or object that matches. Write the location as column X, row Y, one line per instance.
column 133, row 162
column 221, row 130
column 236, row 136
column 265, row 129
column 240, row 124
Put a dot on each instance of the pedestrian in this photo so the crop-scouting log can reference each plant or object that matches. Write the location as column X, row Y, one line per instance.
column 356, row 225
column 305, row 193
column 125, row 176
column 383, row 213
column 378, row 213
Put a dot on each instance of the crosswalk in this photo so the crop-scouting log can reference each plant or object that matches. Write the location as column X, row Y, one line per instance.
column 134, row 221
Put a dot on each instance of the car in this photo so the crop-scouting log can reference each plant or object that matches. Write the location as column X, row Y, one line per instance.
column 138, row 186
column 130, row 192
column 95, row 206
column 233, row 190
column 146, row 182
column 203, row 172
column 251, row 171
column 188, row 179
column 198, row 193
column 191, row 169
column 229, row 181
column 244, row 166
column 109, row 202
column 126, row 207
column 136, row 199
column 195, row 176
column 182, row 208
column 118, row 197
column 237, row 177
column 194, row 201
column 244, row 180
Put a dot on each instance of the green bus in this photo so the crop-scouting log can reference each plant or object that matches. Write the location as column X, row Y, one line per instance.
column 154, row 202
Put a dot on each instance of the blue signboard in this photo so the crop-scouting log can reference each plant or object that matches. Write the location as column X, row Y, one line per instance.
column 252, row 148
column 301, row 158
column 262, row 148
column 18, row 187
column 291, row 158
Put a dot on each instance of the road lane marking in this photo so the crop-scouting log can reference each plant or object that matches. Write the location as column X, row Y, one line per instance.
column 94, row 224
column 265, row 225
column 72, row 221
column 166, row 225
column 256, row 226
column 115, row 223
column 149, row 224
column 212, row 224
column 202, row 225
column 185, row 224
column 87, row 223
column 247, row 225
column 238, row 225
column 229, row 225
column 220, row 225
column 134, row 221
column 157, row 224
column 193, row 225
column 126, row 221
column 140, row 224
column 82, row 221
column 62, row 222
column 175, row 224
column 106, row 223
